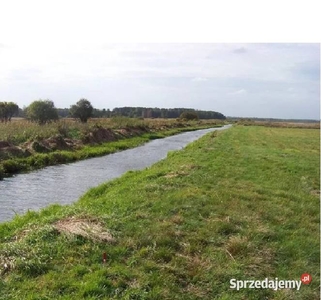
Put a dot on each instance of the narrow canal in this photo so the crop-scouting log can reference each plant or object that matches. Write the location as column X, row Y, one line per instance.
column 64, row 184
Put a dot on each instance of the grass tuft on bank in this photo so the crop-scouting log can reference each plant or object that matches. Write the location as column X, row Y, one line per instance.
column 241, row 203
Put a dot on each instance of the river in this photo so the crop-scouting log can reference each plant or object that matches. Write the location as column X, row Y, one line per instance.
column 64, row 184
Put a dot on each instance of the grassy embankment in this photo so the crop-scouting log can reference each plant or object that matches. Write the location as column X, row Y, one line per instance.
column 120, row 134
column 241, row 203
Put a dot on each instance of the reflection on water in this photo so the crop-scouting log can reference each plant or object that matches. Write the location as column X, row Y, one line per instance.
column 64, row 184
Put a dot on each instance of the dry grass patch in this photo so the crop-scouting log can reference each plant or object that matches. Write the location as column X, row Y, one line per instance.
column 184, row 171
column 197, row 291
column 261, row 262
column 177, row 219
column 237, row 245
column 315, row 193
column 190, row 167
column 176, row 174
column 7, row 263
column 90, row 229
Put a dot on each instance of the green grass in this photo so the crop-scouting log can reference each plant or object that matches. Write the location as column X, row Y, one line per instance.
column 241, row 203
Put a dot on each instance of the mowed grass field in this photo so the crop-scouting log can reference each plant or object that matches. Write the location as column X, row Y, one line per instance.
column 241, row 203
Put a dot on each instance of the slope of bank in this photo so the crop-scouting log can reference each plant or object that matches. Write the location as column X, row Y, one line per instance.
column 97, row 140
column 242, row 203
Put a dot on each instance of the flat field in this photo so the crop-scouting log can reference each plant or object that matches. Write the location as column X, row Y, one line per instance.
column 241, row 203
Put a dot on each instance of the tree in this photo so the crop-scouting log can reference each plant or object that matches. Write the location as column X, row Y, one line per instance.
column 2, row 111
column 82, row 110
column 8, row 110
column 42, row 111
column 189, row 115
column 12, row 109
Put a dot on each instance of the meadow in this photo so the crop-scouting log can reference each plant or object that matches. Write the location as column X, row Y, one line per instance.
column 241, row 203
column 284, row 124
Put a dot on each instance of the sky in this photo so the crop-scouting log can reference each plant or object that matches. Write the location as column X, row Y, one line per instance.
column 85, row 50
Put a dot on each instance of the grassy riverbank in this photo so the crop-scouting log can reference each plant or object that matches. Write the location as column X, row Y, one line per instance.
column 241, row 203
column 26, row 146
column 19, row 131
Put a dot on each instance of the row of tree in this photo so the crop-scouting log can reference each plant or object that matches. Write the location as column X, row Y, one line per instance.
column 43, row 111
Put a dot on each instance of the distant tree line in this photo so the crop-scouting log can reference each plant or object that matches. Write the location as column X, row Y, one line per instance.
column 44, row 111
column 148, row 112
column 144, row 112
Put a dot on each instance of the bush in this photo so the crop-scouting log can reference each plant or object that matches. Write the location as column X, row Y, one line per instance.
column 82, row 110
column 189, row 115
column 1, row 173
column 8, row 110
column 42, row 111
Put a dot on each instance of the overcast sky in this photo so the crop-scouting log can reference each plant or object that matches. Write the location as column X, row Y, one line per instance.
column 64, row 57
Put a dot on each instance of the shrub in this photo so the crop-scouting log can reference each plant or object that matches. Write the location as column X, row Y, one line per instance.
column 42, row 111
column 189, row 115
column 82, row 110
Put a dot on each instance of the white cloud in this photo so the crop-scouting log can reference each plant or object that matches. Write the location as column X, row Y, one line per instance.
column 199, row 79
column 238, row 92
column 240, row 50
